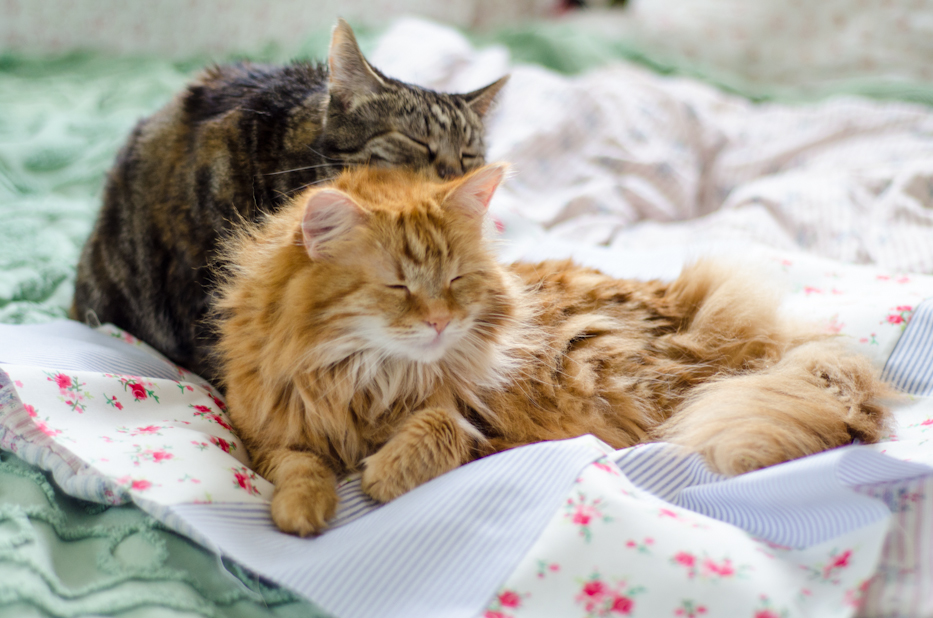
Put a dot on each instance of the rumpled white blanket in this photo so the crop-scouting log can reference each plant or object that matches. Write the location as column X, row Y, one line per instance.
column 624, row 157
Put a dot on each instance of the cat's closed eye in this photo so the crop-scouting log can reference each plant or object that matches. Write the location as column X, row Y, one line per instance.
column 398, row 286
column 421, row 144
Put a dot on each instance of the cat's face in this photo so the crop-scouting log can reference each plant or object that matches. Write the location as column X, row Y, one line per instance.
column 420, row 284
column 374, row 120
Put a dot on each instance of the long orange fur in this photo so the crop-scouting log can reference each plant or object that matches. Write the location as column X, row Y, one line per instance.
column 369, row 327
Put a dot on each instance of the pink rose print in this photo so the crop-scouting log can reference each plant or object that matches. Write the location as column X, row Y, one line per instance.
column 835, row 326
column 220, row 421
column 829, row 571
column 544, row 567
column 148, row 430
column 870, row 340
column 222, row 444
column 46, row 429
column 140, row 388
column 900, row 315
column 157, row 455
column 594, row 589
column 707, row 568
column 766, row 609
column 182, row 386
column 689, row 609
column 811, row 290
column 243, row 479
column 124, row 336
column 135, row 484
column 206, row 413
column 583, row 515
column 40, row 424
column 599, row 598
column 18, row 383
column 112, row 401
column 217, row 401
column 722, row 569
column 855, row 596
column 510, row 598
column 70, row 391
column 642, row 547
column 622, row 605
column 603, row 464
column 502, row 602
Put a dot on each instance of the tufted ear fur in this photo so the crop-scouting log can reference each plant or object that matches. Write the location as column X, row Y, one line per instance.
column 472, row 193
column 481, row 100
column 351, row 76
column 330, row 215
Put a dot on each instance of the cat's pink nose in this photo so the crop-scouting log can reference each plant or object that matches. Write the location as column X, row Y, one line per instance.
column 439, row 323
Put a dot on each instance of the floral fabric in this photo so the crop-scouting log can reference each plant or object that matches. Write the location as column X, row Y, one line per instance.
column 167, row 441
column 615, row 550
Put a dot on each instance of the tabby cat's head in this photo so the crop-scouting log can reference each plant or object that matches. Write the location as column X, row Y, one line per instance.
column 399, row 265
column 373, row 119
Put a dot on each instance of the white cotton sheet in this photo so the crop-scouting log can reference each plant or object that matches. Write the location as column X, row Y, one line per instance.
column 624, row 157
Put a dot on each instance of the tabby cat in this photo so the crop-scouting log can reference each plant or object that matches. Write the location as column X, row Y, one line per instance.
column 239, row 142
column 369, row 327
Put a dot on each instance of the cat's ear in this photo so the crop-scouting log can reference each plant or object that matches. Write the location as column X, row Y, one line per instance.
column 330, row 215
column 473, row 192
column 481, row 100
column 351, row 76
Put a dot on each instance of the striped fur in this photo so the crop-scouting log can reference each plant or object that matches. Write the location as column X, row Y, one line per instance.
column 240, row 142
column 369, row 327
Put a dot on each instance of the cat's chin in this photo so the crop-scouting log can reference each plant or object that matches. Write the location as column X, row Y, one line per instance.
column 426, row 353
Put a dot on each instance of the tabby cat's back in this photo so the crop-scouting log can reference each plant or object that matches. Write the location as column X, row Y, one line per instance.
column 239, row 142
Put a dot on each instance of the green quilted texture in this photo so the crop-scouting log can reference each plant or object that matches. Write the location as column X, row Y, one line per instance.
column 60, row 556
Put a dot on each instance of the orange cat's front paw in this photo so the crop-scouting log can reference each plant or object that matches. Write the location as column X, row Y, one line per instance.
column 384, row 478
column 431, row 443
column 303, row 508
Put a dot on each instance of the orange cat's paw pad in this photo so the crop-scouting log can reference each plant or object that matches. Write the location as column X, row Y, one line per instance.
column 303, row 509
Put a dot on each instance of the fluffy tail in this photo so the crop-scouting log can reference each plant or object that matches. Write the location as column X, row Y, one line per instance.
column 818, row 397
column 730, row 318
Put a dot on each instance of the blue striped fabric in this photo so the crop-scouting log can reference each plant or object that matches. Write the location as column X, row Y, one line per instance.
column 799, row 503
column 66, row 344
column 354, row 503
column 910, row 366
column 441, row 550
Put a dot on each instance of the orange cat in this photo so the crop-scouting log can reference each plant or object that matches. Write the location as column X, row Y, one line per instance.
column 368, row 326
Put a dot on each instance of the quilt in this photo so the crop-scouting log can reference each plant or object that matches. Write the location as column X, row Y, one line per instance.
column 633, row 173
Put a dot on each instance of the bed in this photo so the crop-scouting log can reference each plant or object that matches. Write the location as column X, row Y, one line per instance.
column 636, row 165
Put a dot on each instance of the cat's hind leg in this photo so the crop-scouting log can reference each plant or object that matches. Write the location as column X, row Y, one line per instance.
column 818, row 397
column 431, row 442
